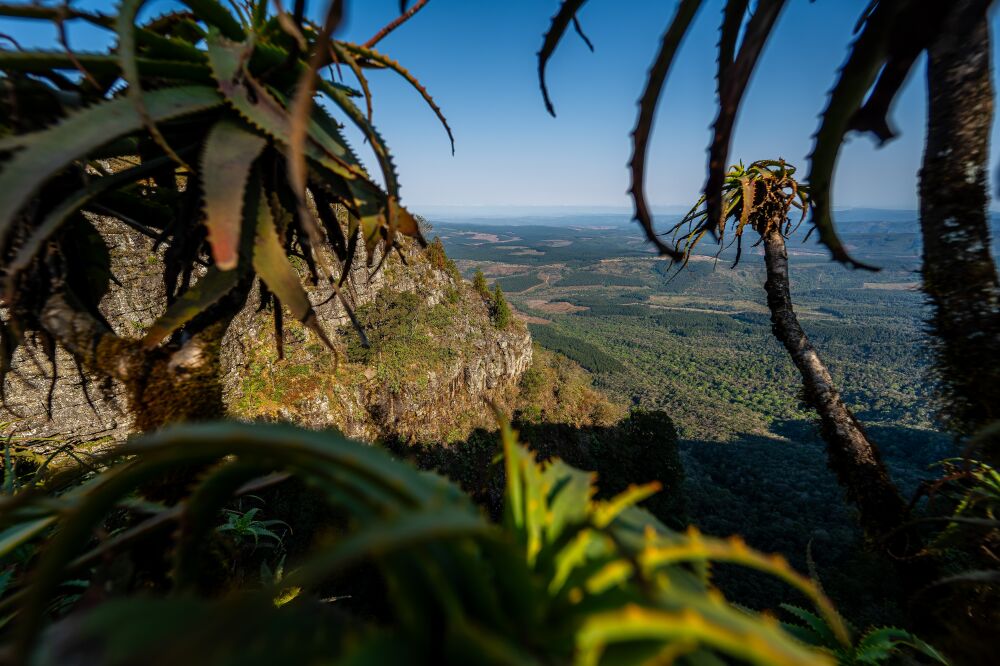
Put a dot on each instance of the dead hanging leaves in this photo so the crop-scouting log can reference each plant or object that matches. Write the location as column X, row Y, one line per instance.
column 760, row 196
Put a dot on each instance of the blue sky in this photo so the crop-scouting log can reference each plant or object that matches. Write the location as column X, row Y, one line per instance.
column 478, row 60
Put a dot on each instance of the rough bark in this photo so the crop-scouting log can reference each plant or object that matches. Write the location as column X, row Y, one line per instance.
column 959, row 276
column 850, row 453
column 164, row 385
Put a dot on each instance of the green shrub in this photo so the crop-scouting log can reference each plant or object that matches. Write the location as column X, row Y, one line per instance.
column 479, row 284
column 500, row 312
column 562, row 578
column 401, row 330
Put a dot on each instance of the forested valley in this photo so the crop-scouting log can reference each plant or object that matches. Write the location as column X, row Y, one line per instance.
column 256, row 407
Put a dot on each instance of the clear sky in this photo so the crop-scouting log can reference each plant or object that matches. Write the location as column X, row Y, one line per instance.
column 478, row 59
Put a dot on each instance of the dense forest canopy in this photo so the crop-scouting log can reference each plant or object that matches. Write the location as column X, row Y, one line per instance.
column 187, row 234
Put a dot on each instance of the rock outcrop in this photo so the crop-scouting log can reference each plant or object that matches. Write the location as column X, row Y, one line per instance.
column 435, row 359
column 431, row 383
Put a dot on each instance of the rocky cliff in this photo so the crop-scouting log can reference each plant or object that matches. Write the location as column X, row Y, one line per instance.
column 435, row 358
column 434, row 361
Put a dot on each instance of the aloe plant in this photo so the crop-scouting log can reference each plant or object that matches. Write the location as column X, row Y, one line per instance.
column 761, row 197
column 212, row 131
column 563, row 578
column 879, row 645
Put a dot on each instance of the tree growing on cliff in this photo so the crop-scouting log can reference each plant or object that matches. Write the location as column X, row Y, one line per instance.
column 500, row 311
column 761, row 197
column 479, row 284
column 204, row 130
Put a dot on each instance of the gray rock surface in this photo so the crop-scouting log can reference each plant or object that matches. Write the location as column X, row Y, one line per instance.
column 483, row 362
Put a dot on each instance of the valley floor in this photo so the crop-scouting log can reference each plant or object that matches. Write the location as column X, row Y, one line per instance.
column 697, row 344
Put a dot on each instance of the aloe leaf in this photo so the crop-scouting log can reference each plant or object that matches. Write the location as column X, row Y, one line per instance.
column 732, row 86
column 404, row 531
column 359, row 76
column 158, row 47
column 258, row 107
column 57, row 216
column 716, row 626
column 300, row 111
column 76, row 528
column 19, row 534
column 228, row 155
column 43, row 62
column 644, row 124
column 206, row 292
column 814, row 625
column 383, row 156
column 125, row 28
column 217, row 16
column 606, row 512
column 271, row 263
column 43, row 154
column 560, row 22
column 569, row 502
column 262, row 108
column 876, row 646
column 867, row 56
column 323, row 455
column 513, row 456
column 385, row 61
column 697, row 548
column 374, row 138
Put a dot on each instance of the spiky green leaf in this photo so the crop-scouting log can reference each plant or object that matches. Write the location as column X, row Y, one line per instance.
column 229, row 153
column 214, row 285
column 43, row 154
column 271, row 263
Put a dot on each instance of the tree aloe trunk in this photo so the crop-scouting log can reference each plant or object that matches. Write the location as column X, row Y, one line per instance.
column 167, row 384
column 959, row 276
column 850, row 453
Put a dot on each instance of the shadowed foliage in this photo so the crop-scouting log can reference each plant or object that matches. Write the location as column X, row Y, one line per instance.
column 563, row 577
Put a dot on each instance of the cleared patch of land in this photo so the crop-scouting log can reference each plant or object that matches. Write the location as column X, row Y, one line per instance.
column 892, row 286
column 555, row 307
column 490, row 269
column 529, row 319
column 702, row 304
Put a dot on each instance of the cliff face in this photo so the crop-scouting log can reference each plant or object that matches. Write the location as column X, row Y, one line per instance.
column 435, row 358
column 434, row 362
